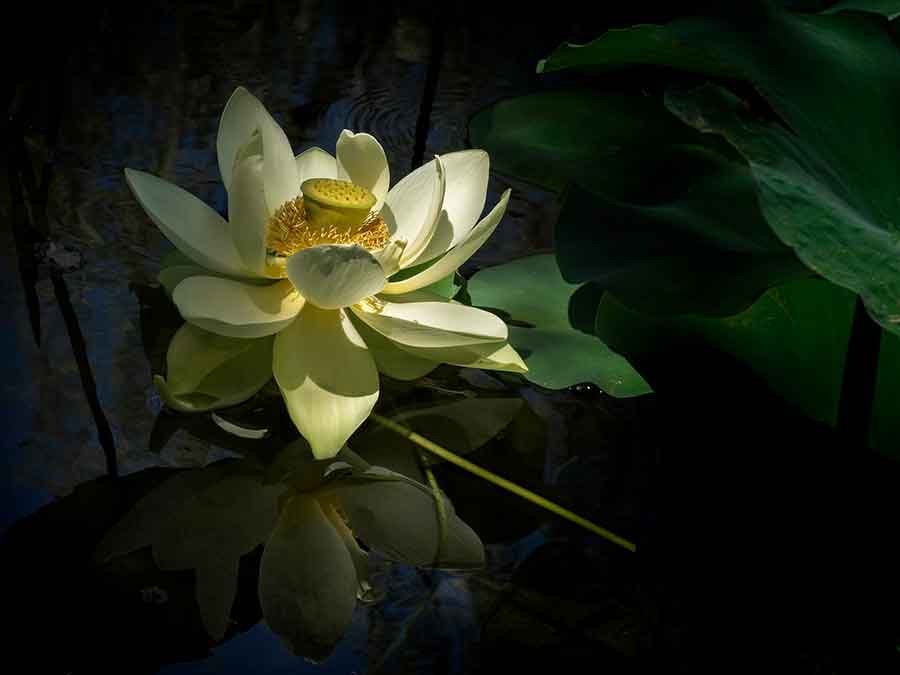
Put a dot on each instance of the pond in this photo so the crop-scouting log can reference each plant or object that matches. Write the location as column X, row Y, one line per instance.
column 735, row 527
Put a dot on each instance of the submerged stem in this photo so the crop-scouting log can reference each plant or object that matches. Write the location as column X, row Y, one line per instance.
column 499, row 481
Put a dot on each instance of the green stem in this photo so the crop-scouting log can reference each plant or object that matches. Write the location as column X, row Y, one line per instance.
column 441, row 509
column 499, row 481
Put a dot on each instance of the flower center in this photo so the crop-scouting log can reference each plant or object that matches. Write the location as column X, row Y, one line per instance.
column 328, row 212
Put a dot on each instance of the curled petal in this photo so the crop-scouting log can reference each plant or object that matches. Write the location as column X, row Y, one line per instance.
column 327, row 377
column 332, row 276
column 456, row 256
column 466, row 190
column 236, row 309
column 205, row 371
column 412, row 208
column 434, row 322
column 361, row 160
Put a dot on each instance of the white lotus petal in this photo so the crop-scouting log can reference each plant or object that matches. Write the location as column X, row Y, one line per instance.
column 307, row 581
column 467, row 175
column 434, row 323
column 170, row 277
column 332, row 276
column 236, row 309
column 456, row 256
column 244, row 115
column 327, row 377
column 361, row 160
column 390, row 359
column 487, row 356
column 236, row 126
column 195, row 229
column 315, row 163
column 248, row 214
column 279, row 166
column 413, row 206
column 389, row 257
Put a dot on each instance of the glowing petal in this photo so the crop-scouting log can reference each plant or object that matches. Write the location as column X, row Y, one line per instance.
column 467, row 179
column 236, row 309
column 195, row 229
column 413, row 206
column 327, row 376
column 332, row 276
column 361, row 160
column 456, row 256
column 434, row 322
column 248, row 214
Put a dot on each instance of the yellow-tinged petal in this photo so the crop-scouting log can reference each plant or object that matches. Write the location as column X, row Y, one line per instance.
column 390, row 359
column 236, row 309
column 413, row 206
column 487, row 356
column 248, row 214
column 467, row 175
column 332, row 276
column 361, row 160
column 244, row 115
column 456, row 256
column 327, row 376
column 170, row 277
column 195, row 229
column 432, row 322
column 315, row 163
column 236, row 127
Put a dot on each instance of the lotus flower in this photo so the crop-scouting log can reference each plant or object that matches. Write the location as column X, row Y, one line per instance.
column 318, row 253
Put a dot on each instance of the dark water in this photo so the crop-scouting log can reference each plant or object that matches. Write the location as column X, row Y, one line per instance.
column 143, row 87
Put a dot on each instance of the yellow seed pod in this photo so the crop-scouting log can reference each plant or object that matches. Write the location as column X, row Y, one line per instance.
column 336, row 202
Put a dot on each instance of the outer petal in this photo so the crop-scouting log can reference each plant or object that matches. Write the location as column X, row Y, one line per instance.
column 332, row 276
column 248, row 214
column 195, row 229
column 315, row 163
column 243, row 115
column 237, row 309
column 206, row 371
column 488, row 356
column 327, row 376
column 467, row 179
column 456, row 256
column 433, row 323
column 390, row 359
column 413, row 206
column 361, row 160
column 307, row 581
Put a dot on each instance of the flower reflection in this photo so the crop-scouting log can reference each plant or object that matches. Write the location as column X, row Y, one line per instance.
column 309, row 516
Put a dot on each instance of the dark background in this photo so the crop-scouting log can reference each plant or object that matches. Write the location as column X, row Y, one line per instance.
column 765, row 542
